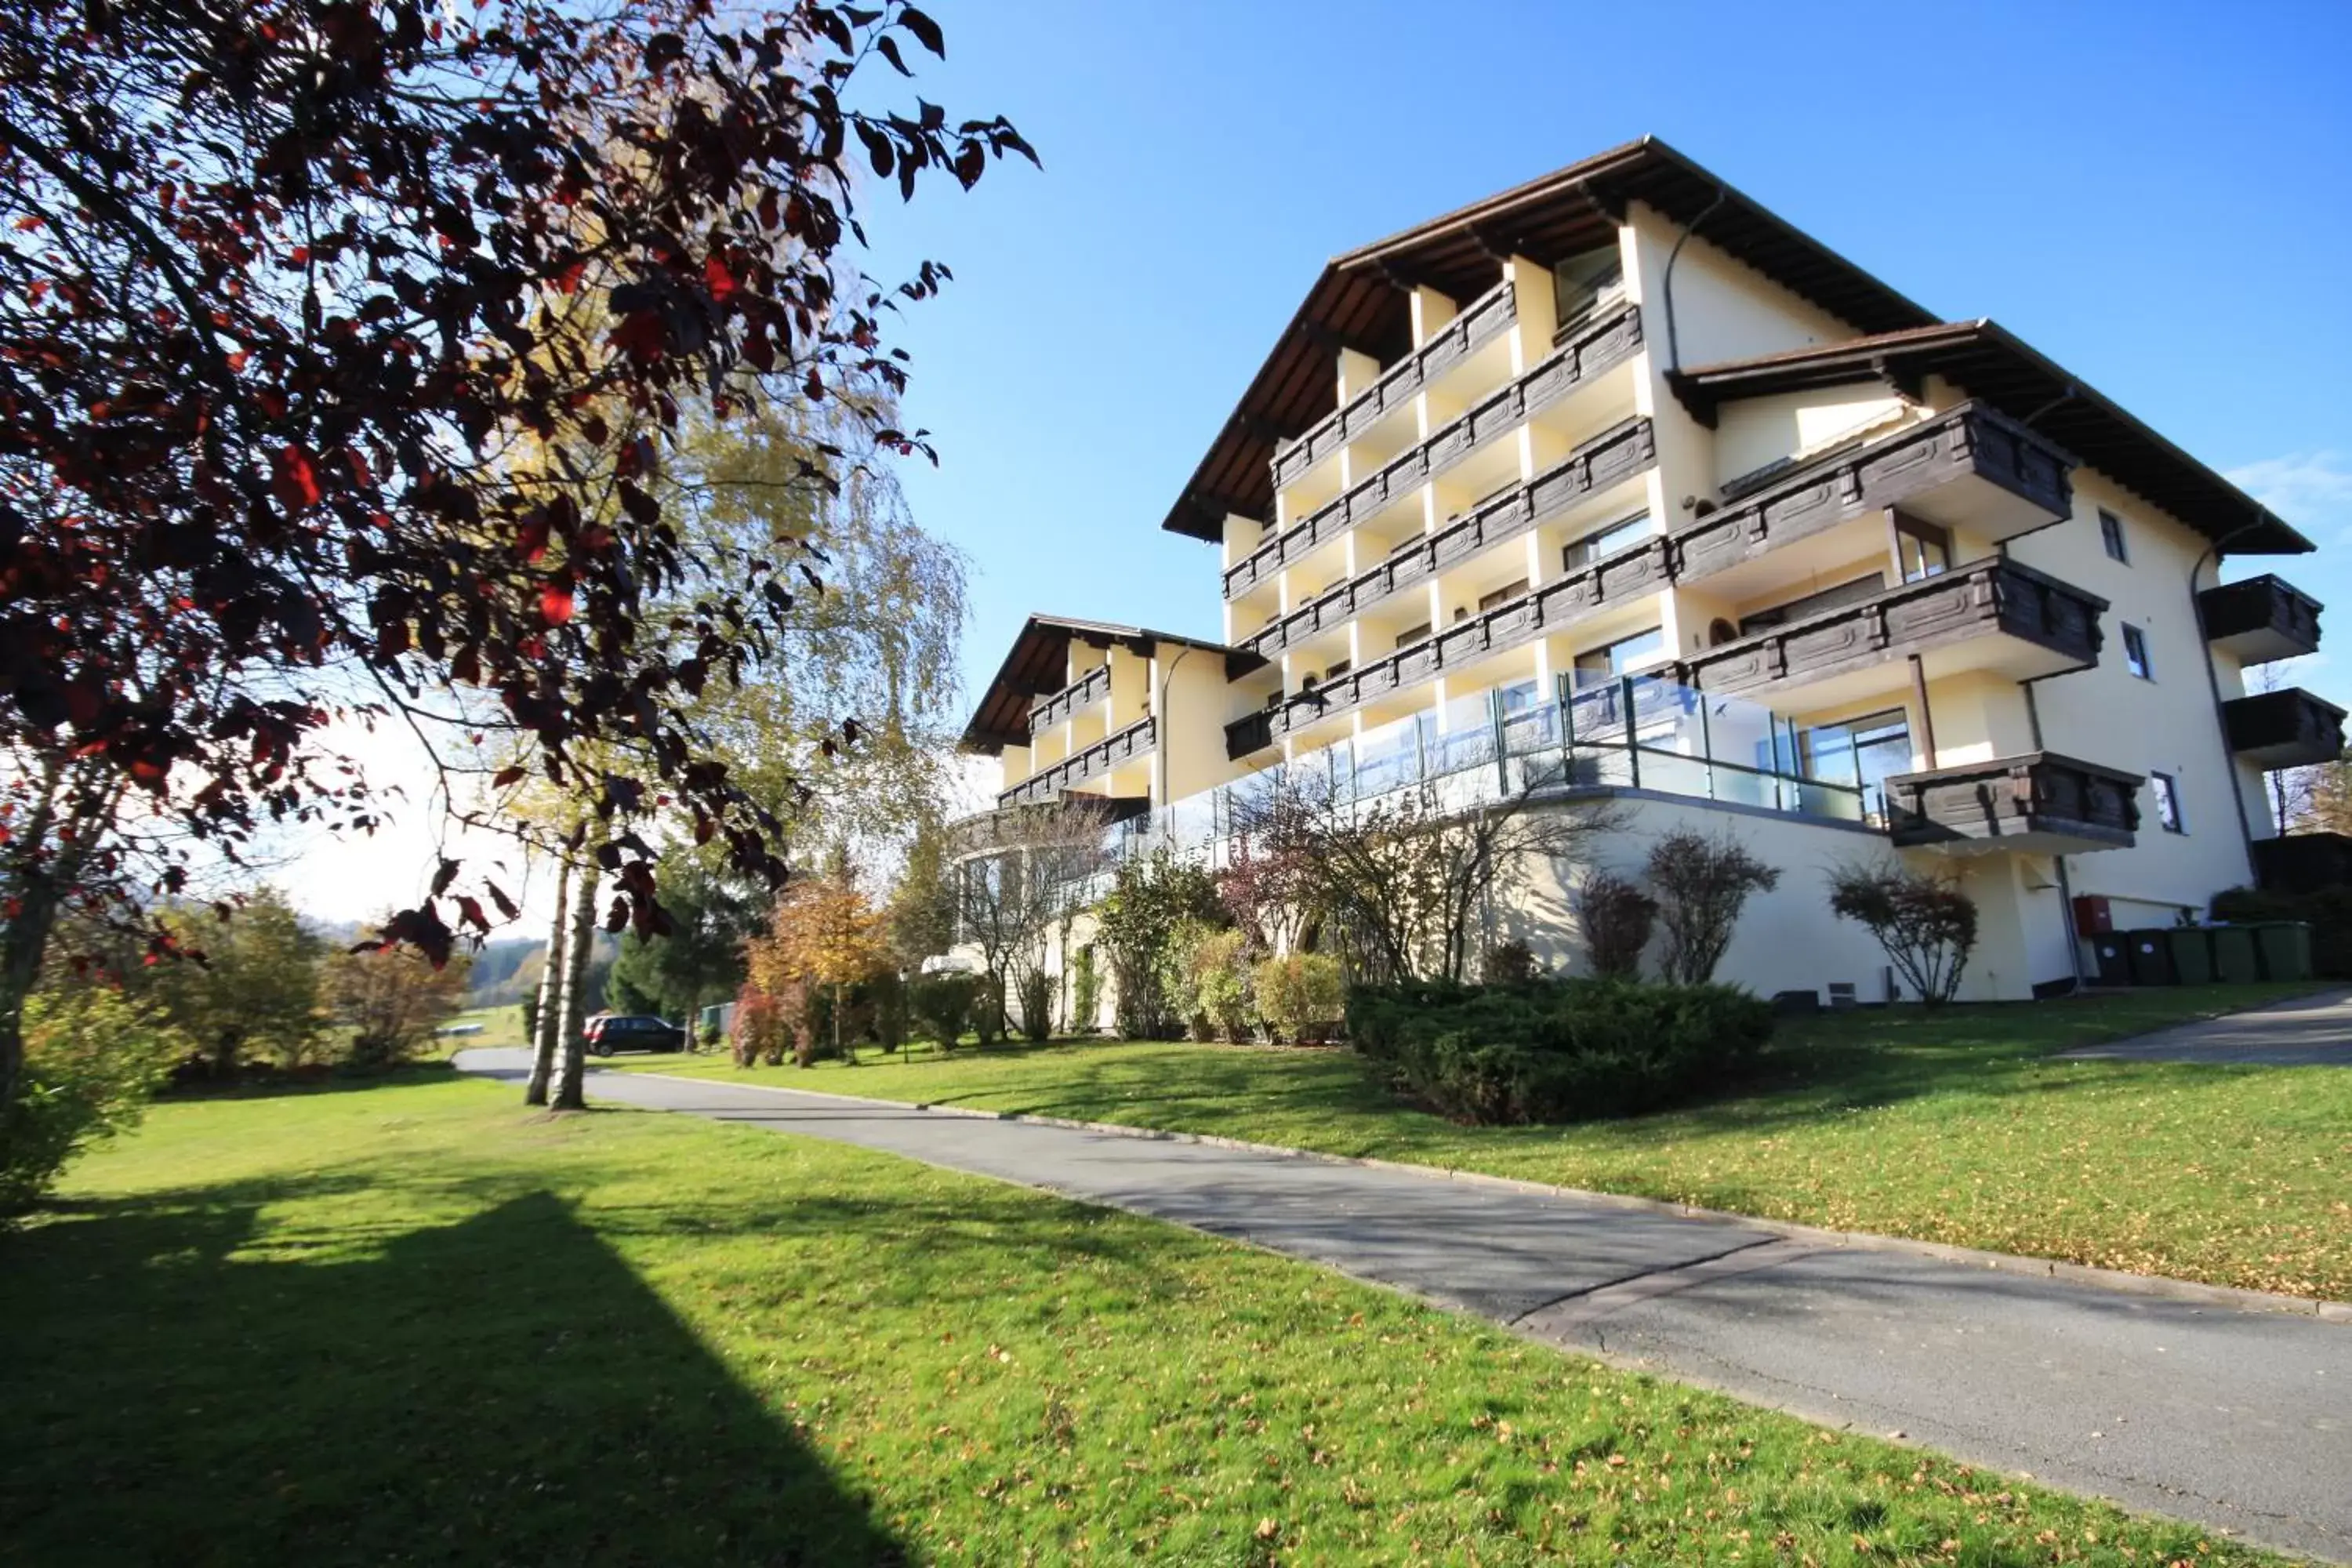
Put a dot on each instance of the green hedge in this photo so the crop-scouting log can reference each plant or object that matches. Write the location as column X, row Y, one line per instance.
column 1556, row 1050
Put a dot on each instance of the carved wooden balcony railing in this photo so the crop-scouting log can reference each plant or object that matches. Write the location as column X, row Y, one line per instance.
column 2289, row 728
column 1111, row 752
column 1630, row 574
column 1071, row 701
column 1589, row 353
column 1615, row 454
column 1972, row 441
column 2040, row 801
column 2260, row 619
column 1473, row 330
column 1992, row 598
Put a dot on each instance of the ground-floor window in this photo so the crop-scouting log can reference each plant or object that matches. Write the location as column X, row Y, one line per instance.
column 1865, row 751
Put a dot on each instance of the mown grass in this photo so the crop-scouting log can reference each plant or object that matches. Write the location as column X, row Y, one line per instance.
column 415, row 1324
column 1958, row 1127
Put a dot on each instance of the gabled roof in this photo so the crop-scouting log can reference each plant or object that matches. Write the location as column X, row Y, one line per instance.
column 1992, row 363
column 1359, row 299
column 1039, row 659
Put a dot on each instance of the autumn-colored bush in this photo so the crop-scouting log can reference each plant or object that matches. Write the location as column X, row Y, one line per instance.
column 760, row 1034
column 1302, row 996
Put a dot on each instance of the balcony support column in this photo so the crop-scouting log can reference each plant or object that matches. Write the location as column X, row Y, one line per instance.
column 1927, row 717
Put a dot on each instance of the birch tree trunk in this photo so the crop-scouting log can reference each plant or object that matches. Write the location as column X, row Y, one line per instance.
column 551, row 990
column 572, row 1063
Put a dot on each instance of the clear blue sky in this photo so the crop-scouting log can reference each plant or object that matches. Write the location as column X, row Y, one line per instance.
column 2157, row 195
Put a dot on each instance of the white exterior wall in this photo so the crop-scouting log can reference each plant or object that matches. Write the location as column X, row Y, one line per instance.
column 2167, row 724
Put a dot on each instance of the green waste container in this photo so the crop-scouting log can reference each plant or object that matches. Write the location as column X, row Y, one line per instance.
column 2151, row 956
column 2286, row 949
column 2192, row 955
column 2235, row 961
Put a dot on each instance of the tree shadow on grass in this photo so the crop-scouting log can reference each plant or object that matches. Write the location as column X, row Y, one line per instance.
column 504, row 1389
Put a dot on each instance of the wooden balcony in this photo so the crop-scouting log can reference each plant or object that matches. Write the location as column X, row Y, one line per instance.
column 1112, row 752
column 1590, row 354
column 1630, row 574
column 2260, row 619
column 1071, row 701
column 1995, row 614
column 2286, row 729
column 2041, row 803
column 1484, row 320
column 1974, row 466
column 1615, row 454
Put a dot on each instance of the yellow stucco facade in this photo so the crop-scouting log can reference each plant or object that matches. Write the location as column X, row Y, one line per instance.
column 1837, row 553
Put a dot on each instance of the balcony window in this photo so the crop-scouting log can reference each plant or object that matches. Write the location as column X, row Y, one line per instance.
column 1413, row 634
column 1619, row 658
column 1865, row 751
column 1844, row 593
column 2111, row 535
column 1340, row 667
column 1923, row 549
column 1604, row 543
column 1585, row 285
column 1502, row 596
column 2136, row 653
column 2167, row 801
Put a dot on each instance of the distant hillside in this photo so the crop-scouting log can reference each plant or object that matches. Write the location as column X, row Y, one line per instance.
column 505, row 971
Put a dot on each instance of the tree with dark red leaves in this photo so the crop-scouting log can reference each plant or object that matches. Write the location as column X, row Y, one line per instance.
column 341, row 348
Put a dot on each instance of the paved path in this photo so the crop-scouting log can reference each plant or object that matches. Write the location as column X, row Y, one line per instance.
column 2240, row 1420
column 2307, row 1031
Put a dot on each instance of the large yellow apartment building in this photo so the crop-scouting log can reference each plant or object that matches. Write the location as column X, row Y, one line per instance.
column 1615, row 482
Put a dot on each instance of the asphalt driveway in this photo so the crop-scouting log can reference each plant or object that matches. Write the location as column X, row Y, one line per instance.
column 2241, row 1420
column 2305, row 1031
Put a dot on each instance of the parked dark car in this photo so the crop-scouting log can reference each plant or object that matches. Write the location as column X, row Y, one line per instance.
column 609, row 1032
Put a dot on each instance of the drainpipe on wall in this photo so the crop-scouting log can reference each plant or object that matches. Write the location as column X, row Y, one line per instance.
column 1159, row 725
column 2065, row 883
column 1667, row 284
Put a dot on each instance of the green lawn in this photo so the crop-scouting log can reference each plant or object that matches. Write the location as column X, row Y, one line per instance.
column 412, row 1323
column 1954, row 1128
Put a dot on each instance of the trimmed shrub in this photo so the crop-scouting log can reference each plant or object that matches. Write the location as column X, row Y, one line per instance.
column 886, row 993
column 942, row 1004
column 1036, row 989
column 1085, row 1001
column 2327, row 911
column 1558, row 1050
column 760, row 1033
column 1303, row 997
column 1926, row 924
column 1616, row 918
column 1701, row 885
column 1213, row 981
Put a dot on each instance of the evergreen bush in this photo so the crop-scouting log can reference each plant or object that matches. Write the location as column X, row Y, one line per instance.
column 1556, row 1050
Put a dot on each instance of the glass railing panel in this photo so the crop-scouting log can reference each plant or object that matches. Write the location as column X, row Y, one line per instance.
column 1837, row 803
column 1740, row 786
column 1670, row 773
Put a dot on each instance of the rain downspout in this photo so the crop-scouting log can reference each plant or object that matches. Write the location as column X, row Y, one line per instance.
column 1667, row 284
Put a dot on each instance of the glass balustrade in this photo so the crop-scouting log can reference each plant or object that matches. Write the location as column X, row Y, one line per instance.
column 1621, row 732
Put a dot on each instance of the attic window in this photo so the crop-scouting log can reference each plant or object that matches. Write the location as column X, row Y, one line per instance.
column 1586, row 284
